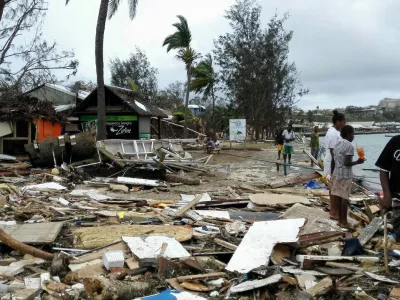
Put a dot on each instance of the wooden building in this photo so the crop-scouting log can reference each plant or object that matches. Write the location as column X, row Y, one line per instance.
column 35, row 116
column 128, row 115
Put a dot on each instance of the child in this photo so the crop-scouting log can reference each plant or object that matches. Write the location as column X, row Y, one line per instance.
column 279, row 142
column 314, row 144
column 342, row 175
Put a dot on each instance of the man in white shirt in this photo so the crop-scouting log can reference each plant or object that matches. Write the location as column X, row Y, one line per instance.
column 332, row 137
column 288, row 136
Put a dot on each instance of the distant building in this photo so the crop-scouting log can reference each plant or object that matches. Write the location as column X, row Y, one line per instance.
column 197, row 110
column 389, row 104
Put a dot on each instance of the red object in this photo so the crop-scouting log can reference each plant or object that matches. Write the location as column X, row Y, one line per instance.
column 47, row 129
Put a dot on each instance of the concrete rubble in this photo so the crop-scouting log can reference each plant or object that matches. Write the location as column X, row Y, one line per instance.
column 159, row 222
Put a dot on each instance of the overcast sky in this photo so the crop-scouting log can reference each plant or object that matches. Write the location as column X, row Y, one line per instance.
column 347, row 50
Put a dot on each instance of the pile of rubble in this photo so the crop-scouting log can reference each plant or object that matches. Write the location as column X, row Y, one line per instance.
column 68, row 233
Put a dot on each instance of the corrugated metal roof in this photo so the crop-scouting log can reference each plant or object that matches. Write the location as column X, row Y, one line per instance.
column 134, row 100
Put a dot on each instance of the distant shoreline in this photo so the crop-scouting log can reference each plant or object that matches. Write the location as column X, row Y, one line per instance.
column 360, row 133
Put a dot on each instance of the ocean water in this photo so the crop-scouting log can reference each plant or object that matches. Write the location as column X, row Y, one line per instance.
column 373, row 145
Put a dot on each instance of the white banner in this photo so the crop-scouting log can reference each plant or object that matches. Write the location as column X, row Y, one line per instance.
column 237, row 129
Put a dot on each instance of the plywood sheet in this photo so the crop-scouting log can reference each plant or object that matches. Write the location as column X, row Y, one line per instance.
column 277, row 199
column 151, row 246
column 257, row 245
column 94, row 237
column 37, row 233
column 317, row 219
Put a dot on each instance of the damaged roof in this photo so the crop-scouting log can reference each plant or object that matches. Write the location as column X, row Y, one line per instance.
column 24, row 108
column 131, row 99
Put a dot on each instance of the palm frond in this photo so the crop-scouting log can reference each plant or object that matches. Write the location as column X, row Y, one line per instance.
column 112, row 7
column 181, row 38
column 203, row 76
column 188, row 56
column 114, row 4
column 132, row 8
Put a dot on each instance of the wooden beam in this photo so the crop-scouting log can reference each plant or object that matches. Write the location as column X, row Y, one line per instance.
column 181, row 212
column 201, row 276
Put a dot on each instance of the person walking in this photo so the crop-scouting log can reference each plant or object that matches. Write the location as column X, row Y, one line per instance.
column 342, row 179
column 288, row 137
column 314, row 144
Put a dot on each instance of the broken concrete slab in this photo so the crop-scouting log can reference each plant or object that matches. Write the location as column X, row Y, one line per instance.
column 36, row 233
column 277, row 199
column 263, row 235
column 150, row 247
column 95, row 237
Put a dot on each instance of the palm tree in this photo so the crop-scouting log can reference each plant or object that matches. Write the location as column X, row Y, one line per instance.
column 203, row 81
column 107, row 8
column 181, row 41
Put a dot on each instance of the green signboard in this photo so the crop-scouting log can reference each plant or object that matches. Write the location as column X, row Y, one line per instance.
column 109, row 118
column 144, row 136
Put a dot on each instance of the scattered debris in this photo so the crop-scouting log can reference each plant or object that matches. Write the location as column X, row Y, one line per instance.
column 147, row 220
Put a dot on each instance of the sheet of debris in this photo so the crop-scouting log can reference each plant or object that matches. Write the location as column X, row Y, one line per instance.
column 148, row 220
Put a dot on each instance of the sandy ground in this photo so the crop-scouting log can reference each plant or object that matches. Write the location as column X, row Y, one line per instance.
column 254, row 168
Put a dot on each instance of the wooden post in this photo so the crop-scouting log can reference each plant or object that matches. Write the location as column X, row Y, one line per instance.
column 385, row 238
column 159, row 127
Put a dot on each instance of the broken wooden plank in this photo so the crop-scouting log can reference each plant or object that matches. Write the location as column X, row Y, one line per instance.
column 317, row 258
column 36, row 233
column 202, row 276
column 180, row 179
column 381, row 278
column 293, row 180
column 344, row 266
column 94, row 237
column 111, row 157
column 368, row 232
column 263, row 235
column 181, row 212
column 305, row 239
column 225, row 244
column 277, row 199
column 255, row 284
column 321, row 287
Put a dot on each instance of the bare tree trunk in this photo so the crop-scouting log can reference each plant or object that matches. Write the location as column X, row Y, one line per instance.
column 17, row 245
column 213, row 115
column 101, row 95
column 185, row 131
column 2, row 4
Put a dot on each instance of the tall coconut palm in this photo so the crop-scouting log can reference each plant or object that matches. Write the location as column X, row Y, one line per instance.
column 203, row 81
column 181, row 41
column 107, row 8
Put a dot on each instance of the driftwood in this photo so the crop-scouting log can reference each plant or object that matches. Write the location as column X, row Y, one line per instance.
column 102, row 288
column 179, row 179
column 13, row 243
